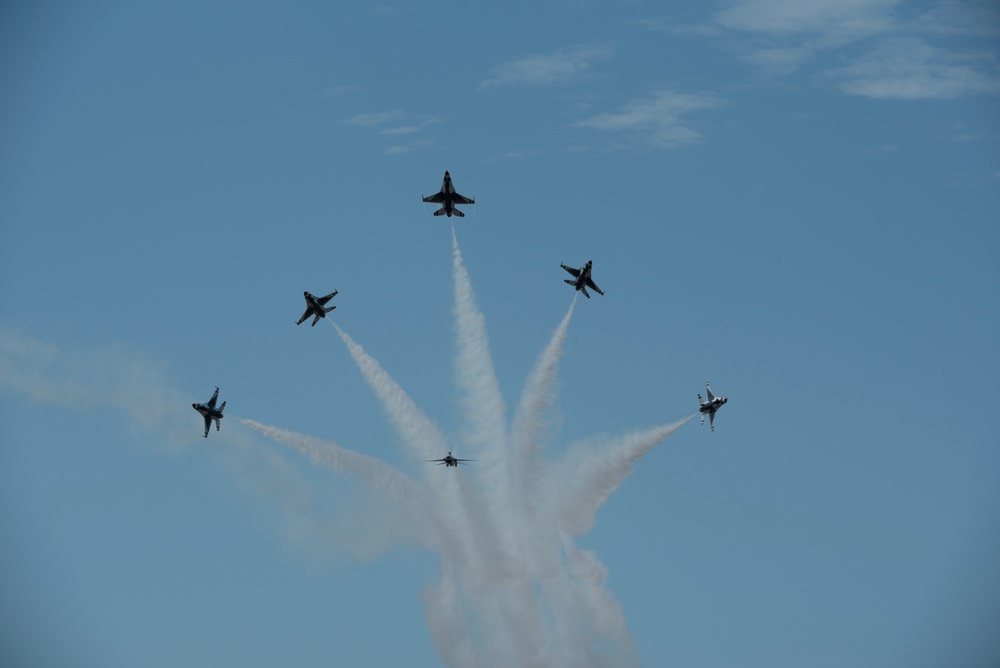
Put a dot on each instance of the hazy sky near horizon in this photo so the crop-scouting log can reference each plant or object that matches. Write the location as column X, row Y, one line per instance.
column 799, row 202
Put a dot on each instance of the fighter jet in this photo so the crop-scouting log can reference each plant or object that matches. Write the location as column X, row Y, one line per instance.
column 449, row 198
column 210, row 412
column 448, row 460
column 582, row 279
column 712, row 404
column 316, row 306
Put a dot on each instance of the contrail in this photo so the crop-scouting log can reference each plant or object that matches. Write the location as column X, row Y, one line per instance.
column 484, row 407
column 514, row 589
column 599, row 473
column 416, row 430
column 379, row 475
column 511, row 605
column 538, row 397
column 474, row 366
column 475, row 545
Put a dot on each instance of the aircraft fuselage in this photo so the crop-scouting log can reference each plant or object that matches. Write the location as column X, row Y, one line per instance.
column 448, row 197
column 315, row 305
column 712, row 406
column 207, row 411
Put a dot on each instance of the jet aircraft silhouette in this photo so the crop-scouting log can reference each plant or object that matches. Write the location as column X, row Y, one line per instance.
column 210, row 412
column 582, row 279
column 710, row 406
column 448, row 198
column 448, row 460
column 316, row 306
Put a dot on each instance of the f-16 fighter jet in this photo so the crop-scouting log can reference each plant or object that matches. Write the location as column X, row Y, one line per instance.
column 712, row 404
column 449, row 198
column 449, row 460
column 316, row 306
column 582, row 279
column 210, row 412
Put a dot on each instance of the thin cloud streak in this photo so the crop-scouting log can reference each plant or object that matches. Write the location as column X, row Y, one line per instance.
column 910, row 69
column 547, row 69
column 655, row 120
column 839, row 19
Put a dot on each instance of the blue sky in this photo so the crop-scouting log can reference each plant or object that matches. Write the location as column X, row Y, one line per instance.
column 797, row 201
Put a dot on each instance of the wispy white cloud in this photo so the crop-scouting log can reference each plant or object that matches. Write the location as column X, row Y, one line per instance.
column 895, row 50
column 779, row 61
column 671, row 28
column 848, row 19
column 397, row 123
column 782, row 35
column 373, row 119
column 547, row 68
column 911, row 69
column 407, row 147
column 655, row 120
column 977, row 18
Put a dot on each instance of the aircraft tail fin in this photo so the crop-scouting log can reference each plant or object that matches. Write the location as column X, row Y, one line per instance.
column 330, row 308
column 222, row 407
column 456, row 212
column 566, row 280
column 440, row 212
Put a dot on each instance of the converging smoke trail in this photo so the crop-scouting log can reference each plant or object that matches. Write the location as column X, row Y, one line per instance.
column 416, row 430
column 379, row 475
column 510, row 604
column 470, row 543
column 476, row 374
column 599, row 473
column 537, row 398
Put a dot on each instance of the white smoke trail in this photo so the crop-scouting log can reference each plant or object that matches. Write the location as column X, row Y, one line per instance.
column 416, row 430
column 448, row 623
column 471, row 540
column 511, row 601
column 379, row 475
column 529, row 423
column 598, row 473
column 514, row 587
column 474, row 367
column 112, row 376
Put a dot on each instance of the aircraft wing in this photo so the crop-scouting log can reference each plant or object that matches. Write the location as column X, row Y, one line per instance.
column 711, row 420
column 708, row 392
column 324, row 300
column 304, row 317
column 437, row 198
column 575, row 272
column 593, row 286
column 462, row 199
column 208, row 425
column 211, row 402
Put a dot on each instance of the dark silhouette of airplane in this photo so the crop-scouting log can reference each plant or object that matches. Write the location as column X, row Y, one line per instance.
column 448, row 460
column 316, row 306
column 448, row 198
column 710, row 406
column 210, row 412
column 582, row 279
